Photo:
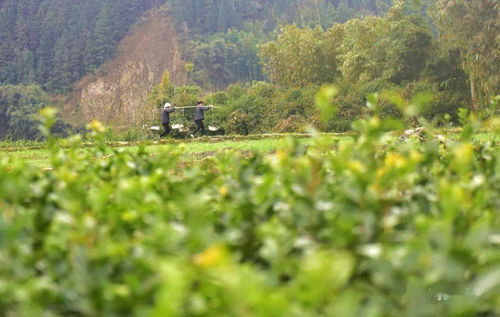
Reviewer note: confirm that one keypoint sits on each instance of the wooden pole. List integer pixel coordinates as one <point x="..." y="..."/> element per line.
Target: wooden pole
<point x="186" y="107"/>
<point x="194" y="107"/>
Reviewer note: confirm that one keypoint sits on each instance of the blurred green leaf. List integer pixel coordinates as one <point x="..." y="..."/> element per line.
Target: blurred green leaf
<point x="324" y="102"/>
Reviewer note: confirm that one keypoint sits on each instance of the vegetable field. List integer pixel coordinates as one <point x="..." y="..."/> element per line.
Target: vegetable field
<point x="356" y="226"/>
<point x="36" y="153"/>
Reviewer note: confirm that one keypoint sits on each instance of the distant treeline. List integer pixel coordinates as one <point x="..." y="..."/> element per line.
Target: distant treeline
<point x="19" y="106"/>
<point x="214" y="16"/>
<point x="397" y="55"/>
<point x="56" y="42"/>
<point x="221" y="36"/>
<point x="396" y="48"/>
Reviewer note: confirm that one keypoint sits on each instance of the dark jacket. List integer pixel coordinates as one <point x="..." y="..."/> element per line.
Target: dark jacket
<point x="199" y="114"/>
<point x="165" y="114"/>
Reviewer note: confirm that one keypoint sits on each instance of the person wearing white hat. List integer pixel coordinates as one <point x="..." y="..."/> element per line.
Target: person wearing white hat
<point x="165" y="118"/>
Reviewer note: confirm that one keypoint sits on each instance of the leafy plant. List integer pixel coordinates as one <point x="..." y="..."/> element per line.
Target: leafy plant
<point x="363" y="227"/>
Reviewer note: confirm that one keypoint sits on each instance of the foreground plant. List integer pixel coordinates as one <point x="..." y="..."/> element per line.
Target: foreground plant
<point x="361" y="228"/>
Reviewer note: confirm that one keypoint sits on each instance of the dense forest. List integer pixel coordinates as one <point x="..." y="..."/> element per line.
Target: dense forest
<point x="414" y="48"/>
<point x="212" y="16"/>
<point x="447" y="47"/>
<point x="221" y="37"/>
<point x="54" y="43"/>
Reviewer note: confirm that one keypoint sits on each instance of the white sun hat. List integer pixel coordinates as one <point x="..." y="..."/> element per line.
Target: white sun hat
<point x="167" y="105"/>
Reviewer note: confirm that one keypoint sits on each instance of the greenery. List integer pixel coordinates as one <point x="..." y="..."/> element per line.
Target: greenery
<point x="55" y="44"/>
<point x="362" y="227"/>
<point x="19" y="106"/>
<point x="225" y="58"/>
<point x="208" y="17"/>
<point x="35" y="153"/>
<point x="472" y="27"/>
<point x="263" y="61"/>
<point x="394" y="53"/>
<point x="193" y="150"/>
<point x="221" y="37"/>
<point x="398" y="217"/>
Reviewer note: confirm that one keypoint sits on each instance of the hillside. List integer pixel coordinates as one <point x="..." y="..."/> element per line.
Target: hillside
<point x="104" y="60"/>
<point x="54" y="43"/>
<point x="263" y="61"/>
<point x="118" y="94"/>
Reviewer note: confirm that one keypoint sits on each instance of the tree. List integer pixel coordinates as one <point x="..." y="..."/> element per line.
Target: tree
<point x="55" y="42"/>
<point x="473" y="27"/>
<point x="18" y="108"/>
<point x="394" y="48"/>
<point x="299" y="57"/>
<point x="224" y="58"/>
<point x="162" y="93"/>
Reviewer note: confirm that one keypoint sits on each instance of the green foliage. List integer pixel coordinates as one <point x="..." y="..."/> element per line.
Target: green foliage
<point x="162" y="93"/>
<point x="359" y="228"/>
<point x="264" y="108"/>
<point x="472" y="28"/>
<point x="394" y="48"/>
<point x="324" y="100"/>
<point x="220" y="38"/>
<point x="224" y="58"/>
<point x="360" y="46"/>
<point x="19" y="107"/>
<point x="54" y="43"/>
<point x="215" y="16"/>
<point x="395" y="53"/>
<point x="300" y="57"/>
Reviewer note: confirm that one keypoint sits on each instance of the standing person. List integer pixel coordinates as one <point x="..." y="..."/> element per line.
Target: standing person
<point x="199" y="116"/>
<point x="165" y="118"/>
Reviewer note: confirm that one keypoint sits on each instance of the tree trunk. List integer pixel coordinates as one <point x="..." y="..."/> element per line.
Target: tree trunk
<point x="316" y="2"/>
<point x="299" y="8"/>
<point x="473" y="93"/>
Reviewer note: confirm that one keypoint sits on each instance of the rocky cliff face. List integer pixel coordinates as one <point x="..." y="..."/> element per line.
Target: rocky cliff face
<point x="117" y="94"/>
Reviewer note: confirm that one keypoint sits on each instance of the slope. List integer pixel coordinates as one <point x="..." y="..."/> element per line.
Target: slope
<point x="117" y="94"/>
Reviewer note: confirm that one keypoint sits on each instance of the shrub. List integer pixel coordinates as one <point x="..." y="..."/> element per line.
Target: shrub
<point x="361" y="227"/>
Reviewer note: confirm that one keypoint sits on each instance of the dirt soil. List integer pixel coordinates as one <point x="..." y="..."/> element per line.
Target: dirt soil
<point x="117" y="94"/>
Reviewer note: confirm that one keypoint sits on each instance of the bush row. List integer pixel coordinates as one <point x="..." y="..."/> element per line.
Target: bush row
<point x="361" y="228"/>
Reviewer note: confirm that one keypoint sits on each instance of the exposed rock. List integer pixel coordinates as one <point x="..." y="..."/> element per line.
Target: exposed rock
<point x="117" y="94"/>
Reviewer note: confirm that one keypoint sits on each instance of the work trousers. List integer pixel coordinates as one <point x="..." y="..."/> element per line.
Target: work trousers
<point x="166" y="126"/>
<point x="199" y="127"/>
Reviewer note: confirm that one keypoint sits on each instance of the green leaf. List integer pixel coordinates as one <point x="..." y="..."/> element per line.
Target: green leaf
<point x="324" y="102"/>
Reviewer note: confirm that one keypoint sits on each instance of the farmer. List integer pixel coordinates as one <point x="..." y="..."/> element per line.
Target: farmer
<point x="165" y="118"/>
<point x="199" y="116"/>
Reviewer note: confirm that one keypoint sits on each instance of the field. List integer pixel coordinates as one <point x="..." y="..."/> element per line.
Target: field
<point x="367" y="224"/>
<point x="36" y="154"/>
<point x="350" y="165"/>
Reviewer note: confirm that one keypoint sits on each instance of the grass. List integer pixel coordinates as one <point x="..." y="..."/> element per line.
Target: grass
<point x="36" y="157"/>
<point x="485" y="136"/>
<point x="34" y="153"/>
<point x="192" y="150"/>
<point x="264" y="145"/>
